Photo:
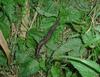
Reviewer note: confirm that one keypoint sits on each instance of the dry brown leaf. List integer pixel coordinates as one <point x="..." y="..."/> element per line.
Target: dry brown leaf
<point x="4" y="45"/>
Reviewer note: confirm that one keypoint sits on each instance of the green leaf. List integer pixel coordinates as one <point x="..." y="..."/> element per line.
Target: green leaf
<point x="83" y="5"/>
<point x="68" y="73"/>
<point x="42" y="62"/>
<point x="35" y="34"/>
<point x="46" y="23"/>
<point x="28" y="68"/>
<point x="3" y="59"/>
<point x="48" y="8"/>
<point x="86" y="68"/>
<point x="42" y="12"/>
<point x="20" y="1"/>
<point x="72" y="47"/>
<point x="73" y="15"/>
<point x="5" y="28"/>
<point x="97" y="28"/>
<point x="9" y="9"/>
<point x="55" y="71"/>
<point x="70" y="14"/>
<point x="90" y="39"/>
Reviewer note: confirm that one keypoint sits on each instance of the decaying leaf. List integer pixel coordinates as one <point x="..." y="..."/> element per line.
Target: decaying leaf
<point x="4" y="46"/>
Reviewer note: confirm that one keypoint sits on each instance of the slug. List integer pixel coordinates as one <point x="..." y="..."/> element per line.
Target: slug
<point x="46" y="37"/>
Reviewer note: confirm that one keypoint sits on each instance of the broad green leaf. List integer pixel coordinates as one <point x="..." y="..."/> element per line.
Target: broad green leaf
<point x="83" y="5"/>
<point x="90" y="39"/>
<point x="73" y="15"/>
<point x="42" y="12"/>
<point x="86" y="68"/>
<point x="20" y="1"/>
<point x="31" y="43"/>
<point x="22" y="57"/>
<point x="70" y="14"/>
<point x="72" y="47"/>
<point x="48" y="8"/>
<point x="80" y="27"/>
<point x="28" y="68"/>
<point x="35" y="34"/>
<point x="5" y="28"/>
<point x="3" y="59"/>
<point x="55" y="71"/>
<point x="9" y="9"/>
<point x="97" y="28"/>
<point x="46" y="23"/>
<point x="42" y="62"/>
<point x="68" y="73"/>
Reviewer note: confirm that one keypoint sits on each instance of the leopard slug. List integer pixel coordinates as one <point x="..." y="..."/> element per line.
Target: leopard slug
<point x="46" y="37"/>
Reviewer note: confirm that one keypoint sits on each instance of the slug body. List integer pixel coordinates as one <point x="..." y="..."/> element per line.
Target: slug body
<point x="46" y="37"/>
